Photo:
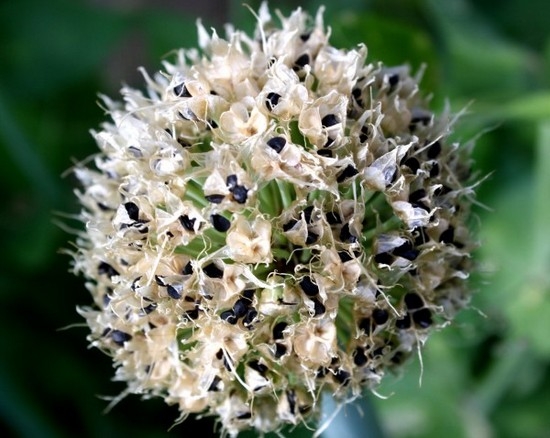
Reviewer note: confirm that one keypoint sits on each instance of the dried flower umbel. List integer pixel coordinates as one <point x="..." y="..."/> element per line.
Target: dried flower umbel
<point x="275" y="217"/>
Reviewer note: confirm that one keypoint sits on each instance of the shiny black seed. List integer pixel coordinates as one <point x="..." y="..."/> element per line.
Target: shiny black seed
<point x="240" y="194"/>
<point x="240" y="307"/>
<point x="448" y="235"/>
<point x="420" y="236"/>
<point x="212" y="124"/>
<point x="384" y="258"/>
<point x="348" y="172"/>
<point x="272" y="100"/>
<point x="214" y="385"/>
<point x="106" y="300"/>
<point x="187" y="269"/>
<point x="417" y="195"/>
<point x="229" y="316"/>
<point x="277" y="143"/>
<point x="422" y="318"/>
<point x="159" y="280"/>
<point x="378" y="352"/>
<point x="329" y="120"/>
<point x="289" y="224"/>
<point x="305" y="36"/>
<point x="397" y="358"/>
<point x="119" y="337"/>
<point x="187" y="223"/>
<point x="321" y="372"/>
<point x="325" y="153"/>
<point x="329" y="142"/>
<point x="412" y="163"/>
<point x="380" y="316"/>
<point x="311" y="237"/>
<point x="301" y="62"/>
<point x="193" y="313"/>
<point x="309" y="287"/>
<point x="357" y="93"/>
<point x="260" y="367"/>
<point x="184" y="143"/>
<point x="434" y="171"/>
<point x="291" y="398"/>
<point x="346" y="236"/>
<point x="250" y="316"/>
<point x="333" y="218"/>
<point x="307" y="213"/>
<point x="406" y="251"/>
<point x="103" y="207"/>
<point x="443" y="190"/>
<point x="213" y="271"/>
<point x="365" y="325"/>
<point x="365" y="133"/>
<point x="244" y="416"/>
<point x="413" y="301"/>
<point x="231" y="181"/>
<point x="132" y="210"/>
<point x="434" y="150"/>
<point x="403" y="323"/>
<point x="343" y="377"/>
<point x="219" y="354"/>
<point x="279" y="329"/>
<point x="173" y="292"/>
<point x="393" y="79"/>
<point x="344" y="256"/>
<point x="181" y="90"/>
<point x="107" y="269"/>
<point x="248" y="294"/>
<point x="215" y="199"/>
<point x="319" y="308"/>
<point x="280" y="350"/>
<point x="359" y="357"/>
<point x="220" y="223"/>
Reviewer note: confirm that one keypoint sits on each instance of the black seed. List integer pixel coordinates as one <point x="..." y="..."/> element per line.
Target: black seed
<point x="417" y="195"/>
<point x="213" y="271"/>
<point x="291" y="398"/>
<point x="384" y="258"/>
<point x="257" y="366"/>
<point x="173" y="292"/>
<point x="393" y="79"/>
<point x="413" y="301"/>
<point x="183" y="143"/>
<point x="329" y="120"/>
<point x="212" y="124"/>
<point x="378" y="352"/>
<point x="403" y="323"/>
<point x="325" y="153"/>
<point x="420" y="236"/>
<point x="188" y="269"/>
<point x="277" y="144"/>
<point x="309" y="287"/>
<point x="187" y="223"/>
<point x="319" y="308"/>
<point x="406" y="251"/>
<point x="346" y="236"/>
<point x="231" y="182"/>
<point x="448" y="235"/>
<point x="240" y="307"/>
<point x="248" y="294"/>
<point x="220" y="223"/>
<point x="103" y="207"/>
<point x="250" y="316"/>
<point x="279" y="329"/>
<point x="229" y="316"/>
<point x="397" y="358"/>
<point x="289" y="224"/>
<point x="181" y="90"/>
<point x="305" y="36"/>
<point x="348" y="172"/>
<point x="107" y="269"/>
<point x="365" y="325"/>
<point x="434" y="171"/>
<point x="365" y="133"/>
<point x="443" y="190"/>
<point x="333" y="218"/>
<point x="301" y="62"/>
<point x="219" y="354"/>
<point x="422" y="318"/>
<point x="434" y="150"/>
<point x="423" y="118"/>
<point x="357" y="94"/>
<point x="329" y="142"/>
<point x="159" y="280"/>
<point x="244" y="416"/>
<point x="119" y="337"/>
<point x="343" y="377"/>
<point x="214" y="385"/>
<point x="240" y="194"/>
<point x="359" y="358"/>
<point x="412" y="163"/>
<point x="215" y="199"/>
<point x="193" y="313"/>
<point x="344" y="256"/>
<point x="272" y="100"/>
<point x="311" y="237"/>
<point x="307" y="213"/>
<point x="380" y="316"/>
<point x="132" y="210"/>
<point x="280" y="350"/>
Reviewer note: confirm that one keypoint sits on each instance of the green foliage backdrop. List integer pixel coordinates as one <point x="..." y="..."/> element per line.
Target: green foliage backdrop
<point x="486" y="375"/>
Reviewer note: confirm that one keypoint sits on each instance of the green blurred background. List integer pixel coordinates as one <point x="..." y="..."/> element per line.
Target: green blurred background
<point x="487" y="375"/>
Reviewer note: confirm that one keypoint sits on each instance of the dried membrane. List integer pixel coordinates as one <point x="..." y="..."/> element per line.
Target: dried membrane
<point x="271" y="218"/>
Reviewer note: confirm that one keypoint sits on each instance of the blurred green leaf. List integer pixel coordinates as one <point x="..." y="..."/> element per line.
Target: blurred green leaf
<point x="535" y="106"/>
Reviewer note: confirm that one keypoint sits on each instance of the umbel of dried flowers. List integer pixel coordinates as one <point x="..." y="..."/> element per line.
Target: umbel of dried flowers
<point x="274" y="217"/>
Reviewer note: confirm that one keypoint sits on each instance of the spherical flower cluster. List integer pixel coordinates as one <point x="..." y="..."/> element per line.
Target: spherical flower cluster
<point x="273" y="218"/>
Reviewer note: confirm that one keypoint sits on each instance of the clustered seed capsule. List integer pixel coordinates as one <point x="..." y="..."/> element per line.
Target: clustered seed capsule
<point x="273" y="218"/>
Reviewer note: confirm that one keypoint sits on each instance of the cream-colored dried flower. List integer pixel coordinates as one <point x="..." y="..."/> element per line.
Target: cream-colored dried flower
<point x="274" y="217"/>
